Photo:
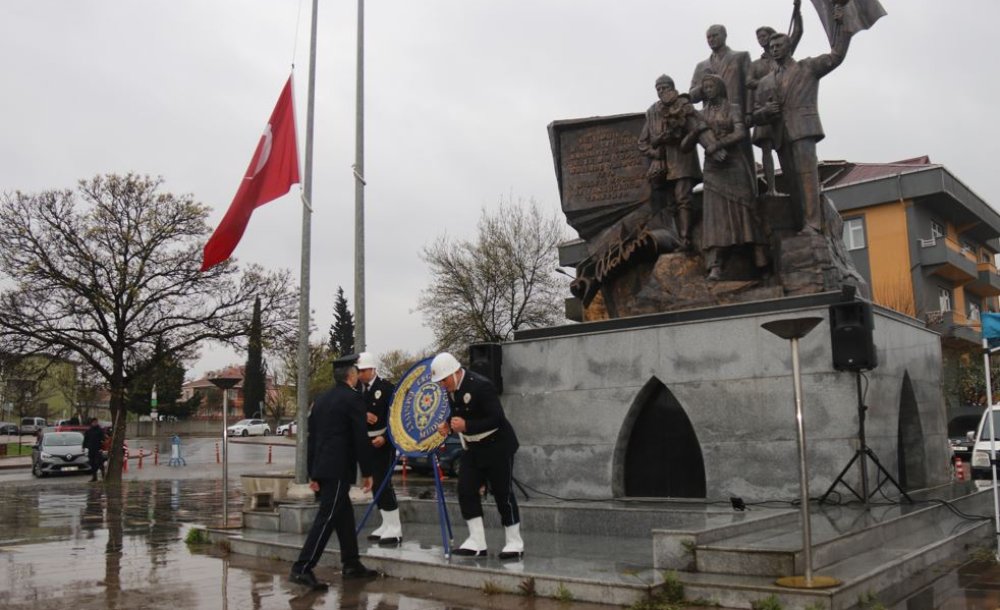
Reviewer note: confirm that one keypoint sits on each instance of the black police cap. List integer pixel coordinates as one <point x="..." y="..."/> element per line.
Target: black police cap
<point x="345" y="361"/>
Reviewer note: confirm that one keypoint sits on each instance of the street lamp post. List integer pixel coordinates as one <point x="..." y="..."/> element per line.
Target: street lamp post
<point x="794" y="329"/>
<point x="225" y="384"/>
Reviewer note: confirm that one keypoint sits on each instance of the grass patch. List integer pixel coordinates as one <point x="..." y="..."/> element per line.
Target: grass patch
<point x="868" y="601"/>
<point x="15" y="450"/>
<point x="768" y="603"/>
<point x="670" y="595"/>
<point x="527" y="587"/>
<point x="491" y="588"/>
<point x="563" y="594"/>
<point x="984" y="555"/>
<point x="196" y="536"/>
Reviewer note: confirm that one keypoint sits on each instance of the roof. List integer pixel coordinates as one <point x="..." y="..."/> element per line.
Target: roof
<point x="852" y="186"/>
<point x="851" y="173"/>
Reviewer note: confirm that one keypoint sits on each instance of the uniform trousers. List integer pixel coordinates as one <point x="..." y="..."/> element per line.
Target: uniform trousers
<point x="382" y="460"/>
<point x="335" y="514"/>
<point x="492" y="462"/>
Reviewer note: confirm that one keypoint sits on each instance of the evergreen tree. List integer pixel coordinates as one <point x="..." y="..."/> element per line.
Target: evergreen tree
<point x="163" y="369"/>
<point x="254" y="382"/>
<point x="342" y="330"/>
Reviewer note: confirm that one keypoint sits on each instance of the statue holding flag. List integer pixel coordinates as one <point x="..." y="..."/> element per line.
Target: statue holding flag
<point x="787" y="100"/>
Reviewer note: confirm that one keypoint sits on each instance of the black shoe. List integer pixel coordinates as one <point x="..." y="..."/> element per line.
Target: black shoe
<point x="357" y="570"/>
<point x="308" y="579"/>
<point x="393" y="541"/>
<point x="374" y="538"/>
<point x="504" y="555"/>
<point x="469" y="552"/>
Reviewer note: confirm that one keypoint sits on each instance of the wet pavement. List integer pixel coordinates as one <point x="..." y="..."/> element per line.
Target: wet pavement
<point x="69" y="543"/>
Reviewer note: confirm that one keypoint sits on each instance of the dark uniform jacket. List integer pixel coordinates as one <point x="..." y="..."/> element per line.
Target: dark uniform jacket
<point x="377" y="401"/>
<point x="93" y="439"/>
<point x="477" y="402"/>
<point x="338" y="436"/>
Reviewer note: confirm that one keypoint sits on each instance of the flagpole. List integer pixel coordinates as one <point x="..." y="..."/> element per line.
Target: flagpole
<point x="302" y="403"/>
<point x="993" y="447"/>
<point x="359" y="189"/>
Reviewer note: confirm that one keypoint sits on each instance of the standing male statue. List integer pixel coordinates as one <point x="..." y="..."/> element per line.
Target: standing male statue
<point x="668" y="121"/>
<point x="787" y="100"/>
<point x="759" y="68"/>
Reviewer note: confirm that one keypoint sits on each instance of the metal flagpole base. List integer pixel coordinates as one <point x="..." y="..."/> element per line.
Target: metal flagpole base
<point x="800" y="582"/>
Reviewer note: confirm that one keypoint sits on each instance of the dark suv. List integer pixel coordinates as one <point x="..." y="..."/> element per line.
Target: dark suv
<point x="449" y="454"/>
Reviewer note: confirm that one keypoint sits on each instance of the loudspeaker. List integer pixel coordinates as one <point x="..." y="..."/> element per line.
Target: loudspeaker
<point x="485" y="359"/>
<point x="851" y="326"/>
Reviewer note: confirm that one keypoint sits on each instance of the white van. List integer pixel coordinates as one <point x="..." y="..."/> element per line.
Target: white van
<point x="31" y="425"/>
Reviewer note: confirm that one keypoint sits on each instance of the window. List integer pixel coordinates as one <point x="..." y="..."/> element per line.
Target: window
<point x="937" y="231"/>
<point x="985" y="256"/>
<point x="973" y="311"/>
<point x="944" y="299"/>
<point x="854" y="233"/>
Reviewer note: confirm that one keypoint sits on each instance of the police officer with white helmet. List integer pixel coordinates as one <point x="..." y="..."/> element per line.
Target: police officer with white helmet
<point x="490" y="443"/>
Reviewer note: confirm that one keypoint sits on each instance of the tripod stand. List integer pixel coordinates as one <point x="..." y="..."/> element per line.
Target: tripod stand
<point x="863" y="453"/>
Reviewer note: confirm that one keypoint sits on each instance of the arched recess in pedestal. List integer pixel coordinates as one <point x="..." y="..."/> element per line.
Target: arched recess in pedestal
<point x="910" y="440"/>
<point x="657" y="454"/>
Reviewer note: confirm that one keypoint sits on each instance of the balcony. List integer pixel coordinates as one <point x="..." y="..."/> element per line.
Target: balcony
<point x="953" y="326"/>
<point x="945" y="258"/>
<point x="987" y="282"/>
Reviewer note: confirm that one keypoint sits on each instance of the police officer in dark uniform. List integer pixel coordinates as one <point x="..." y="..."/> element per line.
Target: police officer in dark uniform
<point x="377" y="393"/>
<point x="93" y="440"/>
<point x="490" y="443"/>
<point x="337" y="444"/>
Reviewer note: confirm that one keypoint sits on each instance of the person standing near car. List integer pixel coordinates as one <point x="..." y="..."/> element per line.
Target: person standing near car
<point x="337" y="444"/>
<point x="478" y="417"/>
<point x="377" y="393"/>
<point x="93" y="442"/>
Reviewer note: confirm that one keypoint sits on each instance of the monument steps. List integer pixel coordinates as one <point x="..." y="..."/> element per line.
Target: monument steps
<point x="620" y="552"/>
<point x="777" y="551"/>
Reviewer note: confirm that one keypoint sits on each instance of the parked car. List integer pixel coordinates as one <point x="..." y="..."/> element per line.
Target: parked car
<point x="8" y="428"/>
<point x="249" y="427"/>
<point x="291" y="427"/>
<point x="981" y="470"/>
<point x="31" y="425"/>
<point x="962" y="446"/>
<point x="449" y="454"/>
<point x="58" y="452"/>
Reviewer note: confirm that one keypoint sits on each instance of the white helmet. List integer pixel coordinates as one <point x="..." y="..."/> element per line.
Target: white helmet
<point x="444" y="364"/>
<point x="366" y="361"/>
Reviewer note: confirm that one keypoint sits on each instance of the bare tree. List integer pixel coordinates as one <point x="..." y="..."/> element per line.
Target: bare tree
<point x="396" y="362"/>
<point x="503" y="280"/>
<point x="105" y="272"/>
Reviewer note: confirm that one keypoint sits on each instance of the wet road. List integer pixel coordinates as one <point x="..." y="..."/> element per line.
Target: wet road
<point x="69" y="543"/>
<point x="79" y="546"/>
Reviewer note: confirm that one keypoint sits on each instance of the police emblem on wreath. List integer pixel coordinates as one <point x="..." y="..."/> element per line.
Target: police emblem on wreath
<point x="418" y="406"/>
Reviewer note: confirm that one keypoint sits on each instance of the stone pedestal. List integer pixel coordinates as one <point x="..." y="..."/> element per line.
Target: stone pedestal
<point x="575" y="394"/>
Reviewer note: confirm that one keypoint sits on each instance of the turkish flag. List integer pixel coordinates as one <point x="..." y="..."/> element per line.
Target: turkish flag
<point x="273" y="170"/>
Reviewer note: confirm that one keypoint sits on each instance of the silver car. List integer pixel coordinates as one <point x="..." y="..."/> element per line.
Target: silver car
<point x="59" y="452"/>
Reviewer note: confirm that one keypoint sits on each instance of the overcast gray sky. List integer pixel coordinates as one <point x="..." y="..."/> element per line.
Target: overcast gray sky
<point x="459" y="93"/>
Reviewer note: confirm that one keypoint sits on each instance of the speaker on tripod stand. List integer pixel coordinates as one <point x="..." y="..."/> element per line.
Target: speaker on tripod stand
<point x="853" y="345"/>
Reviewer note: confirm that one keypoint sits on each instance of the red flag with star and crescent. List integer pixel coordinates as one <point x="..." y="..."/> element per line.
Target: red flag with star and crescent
<point x="273" y="170"/>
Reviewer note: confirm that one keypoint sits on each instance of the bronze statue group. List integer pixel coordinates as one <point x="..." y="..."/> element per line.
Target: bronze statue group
<point x="771" y="102"/>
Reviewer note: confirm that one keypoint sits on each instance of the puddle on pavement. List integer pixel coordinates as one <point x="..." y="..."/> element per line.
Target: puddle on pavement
<point x="78" y="546"/>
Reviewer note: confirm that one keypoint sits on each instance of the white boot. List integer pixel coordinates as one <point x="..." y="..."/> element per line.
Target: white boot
<point x="475" y="544"/>
<point x="392" y="530"/>
<point x="514" y="547"/>
<point x="380" y="530"/>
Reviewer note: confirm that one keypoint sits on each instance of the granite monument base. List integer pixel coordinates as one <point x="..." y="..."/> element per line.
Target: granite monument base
<point x="699" y="404"/>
